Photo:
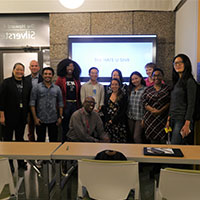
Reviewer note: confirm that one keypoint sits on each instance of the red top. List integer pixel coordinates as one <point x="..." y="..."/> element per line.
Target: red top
<point x="61" y="82"/>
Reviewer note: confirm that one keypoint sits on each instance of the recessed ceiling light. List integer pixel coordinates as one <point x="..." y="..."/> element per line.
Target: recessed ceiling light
<point x="71" y="4"/>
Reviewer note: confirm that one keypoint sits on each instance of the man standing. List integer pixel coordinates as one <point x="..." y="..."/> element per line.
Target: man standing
<point x="94" y="89"/>
<point x="34" y="79"/>
<point x="86" y="125"/>
<point x="46" y="98"/>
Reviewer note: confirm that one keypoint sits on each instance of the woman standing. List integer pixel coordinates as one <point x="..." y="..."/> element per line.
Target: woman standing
<point x="135" y="106"/>
<point x="115" y="113"/>
<point x="182" y="102"/>
<point x="156" y="102"/>
<point x="116" y="74"/>
<point x="149" y="67"/>
<point x="14" y="106"/>
<point x="68" y="73"/>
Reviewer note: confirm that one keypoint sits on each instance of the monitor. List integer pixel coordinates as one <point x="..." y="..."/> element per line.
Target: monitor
<point x="127" y="53"/>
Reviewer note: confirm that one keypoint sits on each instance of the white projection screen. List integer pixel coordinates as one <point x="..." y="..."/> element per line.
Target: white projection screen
<point x="127" y="53"/>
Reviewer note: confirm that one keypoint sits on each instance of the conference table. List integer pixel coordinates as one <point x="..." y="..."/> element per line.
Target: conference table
<point x="135" y="152"/>
<point x="31" y="151"/>
<point x="83" y="150"/>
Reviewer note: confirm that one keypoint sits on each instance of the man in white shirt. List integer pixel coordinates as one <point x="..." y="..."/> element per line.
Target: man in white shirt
<point x="94" y="89"/>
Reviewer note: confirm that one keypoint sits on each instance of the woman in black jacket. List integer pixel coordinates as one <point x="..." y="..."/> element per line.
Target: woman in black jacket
<point x="14" y="105"/>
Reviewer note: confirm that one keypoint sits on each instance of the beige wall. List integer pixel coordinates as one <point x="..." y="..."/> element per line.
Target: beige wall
<point x="186" y="32"/>
<point x="160" y="23"/>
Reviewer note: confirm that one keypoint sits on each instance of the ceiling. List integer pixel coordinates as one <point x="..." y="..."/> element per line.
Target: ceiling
<point x="52" y="6"/>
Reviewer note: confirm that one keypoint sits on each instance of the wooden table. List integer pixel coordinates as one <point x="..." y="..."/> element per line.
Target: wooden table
<point x="76" y="151"/>
<point x="31" y="151"/>
<point x="28" y="150"/>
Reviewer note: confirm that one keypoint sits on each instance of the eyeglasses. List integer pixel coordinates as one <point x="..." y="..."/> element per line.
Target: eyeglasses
<point x="90" y="102"/>
<point x="178" y="63"/>
<point x="94" y="73"/>
<point x="159" y="75"/>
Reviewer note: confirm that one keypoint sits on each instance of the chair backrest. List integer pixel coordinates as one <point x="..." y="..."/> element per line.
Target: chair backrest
<point x="108" y="180"/>
<point x="6" y="175"/>
<point x="178" y="184"/>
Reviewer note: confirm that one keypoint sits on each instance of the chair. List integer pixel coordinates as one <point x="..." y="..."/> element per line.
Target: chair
<point x="178" y="184"/>
<point x="108" y="180"/>
<point x="6" y="176"/>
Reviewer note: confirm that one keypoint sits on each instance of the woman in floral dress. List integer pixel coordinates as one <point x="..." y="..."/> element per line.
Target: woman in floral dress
<point x="115" y="113"/>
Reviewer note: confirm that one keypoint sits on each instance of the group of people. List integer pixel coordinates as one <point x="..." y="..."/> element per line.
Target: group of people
<point x="118" y="113"/>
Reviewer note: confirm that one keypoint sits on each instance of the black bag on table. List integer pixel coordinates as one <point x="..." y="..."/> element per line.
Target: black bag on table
<point x="110" y="155"/>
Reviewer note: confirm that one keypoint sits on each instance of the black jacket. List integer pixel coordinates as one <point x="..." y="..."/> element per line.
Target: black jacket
<point x="9" y="101"/>
<point x="40" y="79"/>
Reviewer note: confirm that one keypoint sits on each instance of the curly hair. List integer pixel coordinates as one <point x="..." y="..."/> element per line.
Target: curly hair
<point x="61" y="68"/>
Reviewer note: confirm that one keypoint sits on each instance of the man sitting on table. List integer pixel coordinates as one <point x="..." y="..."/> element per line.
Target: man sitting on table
<point x="86" y="125"/>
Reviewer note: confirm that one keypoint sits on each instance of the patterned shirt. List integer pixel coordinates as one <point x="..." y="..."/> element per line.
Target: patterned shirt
<point x="154" y="124"/>
<point x="46" y="100"/>
<point x="135" y="107"/>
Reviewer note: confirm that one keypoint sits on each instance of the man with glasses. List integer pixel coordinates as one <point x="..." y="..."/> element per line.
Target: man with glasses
<point x="86" y="125"/>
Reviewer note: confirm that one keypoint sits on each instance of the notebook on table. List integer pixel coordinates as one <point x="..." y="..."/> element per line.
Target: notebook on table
<point x="171" y="152"/>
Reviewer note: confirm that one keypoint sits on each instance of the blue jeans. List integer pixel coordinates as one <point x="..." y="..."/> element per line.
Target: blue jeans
<point x="176" y="137"/>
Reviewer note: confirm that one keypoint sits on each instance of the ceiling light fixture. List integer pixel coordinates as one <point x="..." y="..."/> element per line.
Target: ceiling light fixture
<point x="71" y="4"/>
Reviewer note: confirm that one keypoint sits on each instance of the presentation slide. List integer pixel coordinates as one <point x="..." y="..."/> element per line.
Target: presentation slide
<point x="125" y="56"/>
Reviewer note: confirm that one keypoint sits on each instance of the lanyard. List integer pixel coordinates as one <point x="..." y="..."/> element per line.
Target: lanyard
<point x="86" y="122"/>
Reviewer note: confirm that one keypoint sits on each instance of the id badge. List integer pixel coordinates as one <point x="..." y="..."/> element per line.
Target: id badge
<point x="21" y="105"/>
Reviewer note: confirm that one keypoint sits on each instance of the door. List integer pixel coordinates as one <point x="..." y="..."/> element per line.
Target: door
<point x="9" y="57"/>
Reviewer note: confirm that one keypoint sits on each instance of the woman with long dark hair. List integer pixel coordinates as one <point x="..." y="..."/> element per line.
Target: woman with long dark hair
<point x="116" y="74"/>
<point x="135" y="110"/>
<point x="182" y="101"/>
<point x="68" y="72"/>
<point x="114" y="111"/>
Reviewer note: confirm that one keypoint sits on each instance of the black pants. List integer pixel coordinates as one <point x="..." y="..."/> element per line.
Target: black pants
<point x="67" y="113"/>
<point x="8" y="132"/>
<point x="52" y="132"/>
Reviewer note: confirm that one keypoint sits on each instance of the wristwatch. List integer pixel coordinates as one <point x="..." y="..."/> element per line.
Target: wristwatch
<point x="61" y="117"/>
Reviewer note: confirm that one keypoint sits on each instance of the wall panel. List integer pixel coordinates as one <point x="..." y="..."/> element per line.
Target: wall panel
<point x="137" y="22"/>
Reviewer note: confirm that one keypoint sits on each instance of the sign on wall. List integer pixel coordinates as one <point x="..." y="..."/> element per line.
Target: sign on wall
<point x="19" y="31"/>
